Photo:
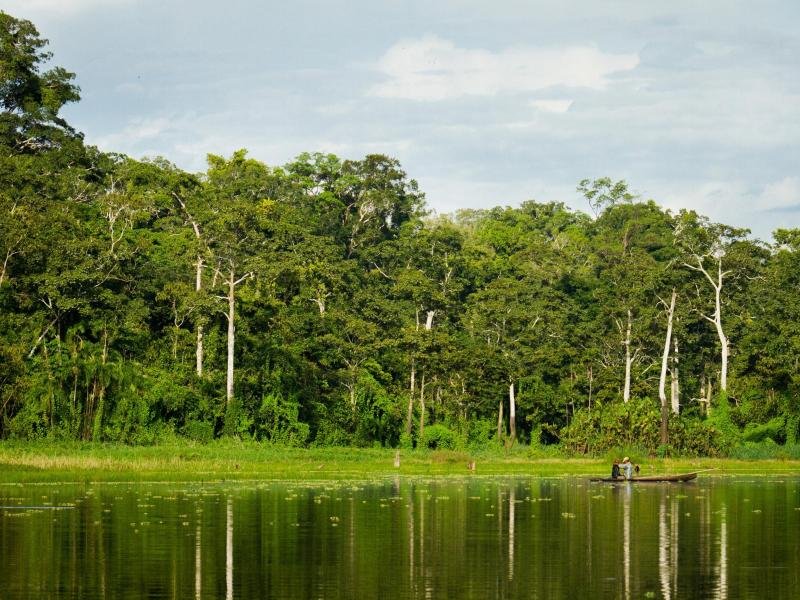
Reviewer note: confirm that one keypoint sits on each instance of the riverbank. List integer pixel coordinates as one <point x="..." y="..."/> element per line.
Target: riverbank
<point x="229" y="460"/>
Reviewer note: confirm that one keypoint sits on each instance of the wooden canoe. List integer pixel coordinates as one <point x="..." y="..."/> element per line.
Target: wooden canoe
<point x="648" y="478"/>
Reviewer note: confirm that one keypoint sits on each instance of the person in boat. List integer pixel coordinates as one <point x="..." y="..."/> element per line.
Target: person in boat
<point x="627" y="468"/>
<point x="615" y="473"/>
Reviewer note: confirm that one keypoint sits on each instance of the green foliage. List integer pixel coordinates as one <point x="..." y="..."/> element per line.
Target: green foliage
<point x="692" y="437"/>
<point x="481" y="433"/>
<point x="439" y="437"/>
<point x="765" y="450"/>
<point x="277" y="421"/>
<point x="199" y="431"/>
<point x="635" y="424"/>
<point x="237" y="423"/>
<point x="774" y="430"/>
<point x="339" y="287"/>
<point x="406" y="441"/>
<point x="720" y="422"/>
<point x="792" y="429"/>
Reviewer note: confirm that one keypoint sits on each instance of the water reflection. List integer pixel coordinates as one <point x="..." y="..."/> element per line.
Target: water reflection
<point x="667" y="542"/>
<point x="198" y="562"/>
<point x="229" y="550"/>
<point x="627" y="490"/>
<point x="512" y="499"/>
<point x="722" y="569"/>
<point x="403" y="538"/>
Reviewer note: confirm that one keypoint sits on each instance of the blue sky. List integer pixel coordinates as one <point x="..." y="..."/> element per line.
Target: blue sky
<point x="695" y="104"/>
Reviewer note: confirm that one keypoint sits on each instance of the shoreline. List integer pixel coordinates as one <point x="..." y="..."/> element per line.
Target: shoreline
<point x="246" y="461"/>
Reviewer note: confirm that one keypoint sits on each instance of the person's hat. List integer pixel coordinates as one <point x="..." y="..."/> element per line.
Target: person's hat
<point x="626" y="459"/>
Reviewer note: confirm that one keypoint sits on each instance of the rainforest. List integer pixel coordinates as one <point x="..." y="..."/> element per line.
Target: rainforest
<point x="320" y="303"/>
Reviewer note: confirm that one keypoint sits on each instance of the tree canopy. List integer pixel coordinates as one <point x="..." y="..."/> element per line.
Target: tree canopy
<point x="318" y="302"/>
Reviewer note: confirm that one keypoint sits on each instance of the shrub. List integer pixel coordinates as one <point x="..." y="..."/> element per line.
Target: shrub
<point x="481" y="433"/>
<point x="694" y="437"/>
<point x="439" y="437"/>
<point x="406" y="441"/>
<point x="773" y="430"/>
<point x="237" y="422"/>
<point x="199" y="431"/>
<point x="720" y="421"/>
<point x="632" y="425"/>
<point x="277" y="421"/>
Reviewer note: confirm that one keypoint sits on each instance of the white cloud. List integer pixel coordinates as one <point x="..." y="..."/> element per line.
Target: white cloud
<point x="781" y="194"/>
<point x="129" y="88"/>
<point x="715" y="199"/>
<point x="714" y="49"/>
<point x="138" y="129"/>
<point x="733" y="202"/>
<point x="553" y="106"/>
<point x="458" y="190"/>
<point x="25" y="7"/>
<point x="433" y="69"/>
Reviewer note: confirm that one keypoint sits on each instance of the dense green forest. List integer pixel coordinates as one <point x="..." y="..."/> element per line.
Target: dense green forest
<point x="320" y="303"/>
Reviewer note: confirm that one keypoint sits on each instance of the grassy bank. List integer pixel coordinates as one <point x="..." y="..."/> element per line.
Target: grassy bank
<point x="230" y="460"/>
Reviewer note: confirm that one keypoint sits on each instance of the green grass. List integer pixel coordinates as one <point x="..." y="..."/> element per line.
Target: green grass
<point x="232" y="460"/>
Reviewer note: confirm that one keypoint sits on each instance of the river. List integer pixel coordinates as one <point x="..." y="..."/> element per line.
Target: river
<point x="716" y="537"/>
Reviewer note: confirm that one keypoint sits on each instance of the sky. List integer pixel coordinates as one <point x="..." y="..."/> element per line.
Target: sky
<point x="695" y="104"/>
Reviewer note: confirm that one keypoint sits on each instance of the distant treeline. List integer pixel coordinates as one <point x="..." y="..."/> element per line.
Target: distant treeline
<point x="320" y="303"/>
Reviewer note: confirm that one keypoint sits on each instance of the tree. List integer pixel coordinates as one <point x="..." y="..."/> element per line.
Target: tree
<point x="31" y="99"/>
<point x="238" y="193"/>
<point x="630" y="242"/>
<point x="662" y="379"/>
<point x="705" y="246"/>
<point x="603" y="193"/>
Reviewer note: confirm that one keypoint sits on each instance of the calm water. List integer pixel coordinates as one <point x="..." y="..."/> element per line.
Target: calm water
<point x="406" y="538"/>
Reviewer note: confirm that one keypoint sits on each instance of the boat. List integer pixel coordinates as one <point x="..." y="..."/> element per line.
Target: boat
<point x="648" y="478"/>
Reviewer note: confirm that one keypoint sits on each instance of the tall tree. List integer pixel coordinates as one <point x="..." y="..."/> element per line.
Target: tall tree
<point x="239" y="196"/>
<point x="705" y="246"/>
<point x="31" y="98"/>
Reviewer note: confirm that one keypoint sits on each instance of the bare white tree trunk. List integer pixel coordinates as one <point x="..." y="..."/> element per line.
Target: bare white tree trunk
<point x="512" y="412"/>
<point x="662" y="380"/>
<point x="198" y="285"/>
<point x="500" y="420"/>
<point x="231" y="297"/>
<point x="411" y="391"/>
<point x="716" y="318"/>
<point x="9" y="253"/>
<point x="723" y="340"/>
<point x="675" y="380"/>
<point x="422" y="406"/>
<point x="231" y="338"/>
<point x="429" y="320"/>
<point x="626" y="393"/>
